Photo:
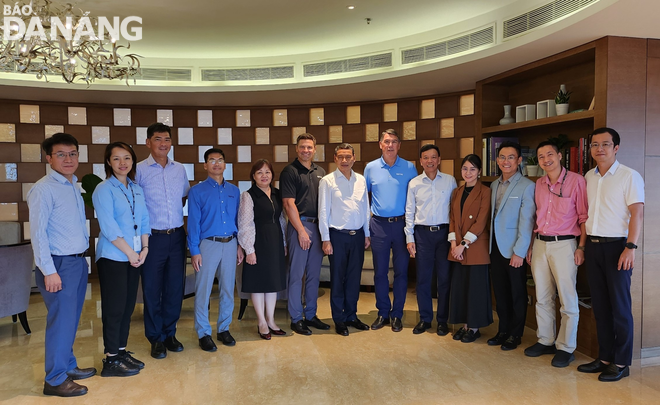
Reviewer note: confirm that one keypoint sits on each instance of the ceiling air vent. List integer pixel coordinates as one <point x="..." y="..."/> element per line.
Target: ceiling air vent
<point x="383" y="60"/>
<point x="247" y="74"/>
<point x="165" y="74"/>
<point x="450" y="47"/>
<point x="542" y="16"/>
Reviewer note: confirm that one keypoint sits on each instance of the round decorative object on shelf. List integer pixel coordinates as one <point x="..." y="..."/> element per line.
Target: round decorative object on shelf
<point x="507" y="119"/>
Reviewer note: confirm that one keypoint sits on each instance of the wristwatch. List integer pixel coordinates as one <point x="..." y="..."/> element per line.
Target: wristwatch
<point x="631" y="245"/>
<point x="464" y="243"/>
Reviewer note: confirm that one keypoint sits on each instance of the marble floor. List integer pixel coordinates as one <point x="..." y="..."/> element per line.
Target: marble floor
<point x="370" y="367"/>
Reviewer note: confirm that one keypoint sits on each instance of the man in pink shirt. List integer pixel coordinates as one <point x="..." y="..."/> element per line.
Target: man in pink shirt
<point x="556" y="251"/>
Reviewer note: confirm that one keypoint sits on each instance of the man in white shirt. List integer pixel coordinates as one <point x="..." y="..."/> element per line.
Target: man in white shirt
<point x="427" y="227"/>
<point x="616" y="213"/>
<point x="344" y="226"/>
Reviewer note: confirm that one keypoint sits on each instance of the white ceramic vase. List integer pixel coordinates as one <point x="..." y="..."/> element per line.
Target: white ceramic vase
<point x="507" y="119"/>
<point x="562" y="109"/>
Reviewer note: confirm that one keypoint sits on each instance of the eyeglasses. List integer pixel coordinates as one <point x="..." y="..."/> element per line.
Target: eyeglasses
<point x="604" y="145"/>
<point x="218" y="161"/>
<point x="390" y="142"/>
<point x="510" y="158"/>
<point x="62" y="155"/>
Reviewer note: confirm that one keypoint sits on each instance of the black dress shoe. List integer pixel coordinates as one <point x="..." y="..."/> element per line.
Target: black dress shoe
<point x="459" y="334"/>
<point x="207" y="344"/>
<point x="341" y="328"/>
<point x="511" y="343"/>
<point x="158" y="350"/>
<point x="278" y="332"/>
<point x="172" y="344"/>
<point x="301" y="328"/>
<point x="81" y="373"/>
<point x="114" y="367"/>
<point x="316" y="323"/>
<point x="498" y="339"/>
<point x="614" y="373"/>
<point x="380" y="322"/>
<point x="226" y="338"/>
<point x="421" y="327"/>
<point x="562" y="359"/>
<point x="539" y="349"/>
<point x="443" y="329"/>
<point x="595" y="366"/>
<point x="470" y="336"/>
<point x="67" y="389"/>
<point x="265" y="336"/>
<point x="127" y="358"/>
<point x="358" y="324"/>
<point x="397" y="325"/>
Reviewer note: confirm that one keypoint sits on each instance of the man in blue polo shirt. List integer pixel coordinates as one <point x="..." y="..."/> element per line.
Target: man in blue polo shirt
<point x="212" y="229"/>
<point x="387" y="181"/>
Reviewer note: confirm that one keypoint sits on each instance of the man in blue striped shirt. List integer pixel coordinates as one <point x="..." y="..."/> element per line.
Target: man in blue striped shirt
<point x="165" y="186"/>
<point x="212" y="230"/>
<point x="60" y="239"/>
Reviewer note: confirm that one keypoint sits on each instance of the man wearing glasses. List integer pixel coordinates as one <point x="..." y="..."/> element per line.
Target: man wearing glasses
<point x="60" y="239"/>
<point x="555" y="254"/>
<point x="387" y="181"/>
<point x="512" y="223"/>
<point x="212" y="230"/>
<point x="616" y="214"/>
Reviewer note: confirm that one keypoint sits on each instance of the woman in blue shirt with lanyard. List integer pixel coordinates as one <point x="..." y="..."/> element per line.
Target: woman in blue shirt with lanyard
<point x="121" y="251"/>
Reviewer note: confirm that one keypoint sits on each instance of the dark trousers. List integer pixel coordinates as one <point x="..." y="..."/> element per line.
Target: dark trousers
<point x="510" y="288"/>
<point x="611" y="301"/>
<point x="119" y="283"/>
<point x="345" y="273"/>
<point x="304" y="265"/>
<point x="163" y="275"/>
<point x="385" y="236"/>
<point x="64" y="308"/>
<point x="431" y="257"/>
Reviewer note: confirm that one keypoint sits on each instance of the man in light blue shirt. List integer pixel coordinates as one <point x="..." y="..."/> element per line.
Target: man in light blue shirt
<point x="387" y="181"/>
<point x="212" y="230"/>
<point x="60" y="239"/>
<point x="165" y="186"/>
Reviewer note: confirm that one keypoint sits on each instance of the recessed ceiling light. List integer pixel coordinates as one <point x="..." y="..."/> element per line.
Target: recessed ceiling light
<point x="350" y="7"/>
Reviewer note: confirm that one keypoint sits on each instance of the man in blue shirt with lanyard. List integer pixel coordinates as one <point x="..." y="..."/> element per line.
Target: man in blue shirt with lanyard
<point x="212" y="230"/>
<point x="165" y="186"/>
<point x="60" y="239"/>
<point x="387" y="181"/>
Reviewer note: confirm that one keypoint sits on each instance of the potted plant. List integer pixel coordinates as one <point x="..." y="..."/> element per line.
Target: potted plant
<point x="561" y="100"/>
<point x="532" y="166"/>
<point x="89" y="183"/>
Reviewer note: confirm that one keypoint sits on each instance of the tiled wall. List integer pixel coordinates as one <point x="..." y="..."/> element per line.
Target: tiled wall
<point x="244" y="134"/>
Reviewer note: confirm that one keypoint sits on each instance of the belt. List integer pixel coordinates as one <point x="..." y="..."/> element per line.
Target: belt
<point x="432" y="228"/>
<point x="73" y="255"/>
<point x="223" y="239"/>
<point x="555" y="238"/>
<point x="603" y="239"/>
<point x="310" y="219"/>
<point x="165" y="231"/>
<point x="346" y="231"/>
<point x="391" y="219"/>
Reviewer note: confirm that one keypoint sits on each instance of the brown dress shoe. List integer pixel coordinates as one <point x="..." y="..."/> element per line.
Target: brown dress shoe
<point x="81" y="373"/>
<point x="67" y="389"/>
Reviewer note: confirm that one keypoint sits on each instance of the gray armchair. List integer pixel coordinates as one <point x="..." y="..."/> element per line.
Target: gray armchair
<point x="16" y="265"/>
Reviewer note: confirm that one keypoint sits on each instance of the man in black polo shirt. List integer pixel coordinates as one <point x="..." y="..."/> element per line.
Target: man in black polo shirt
<point x="299" y="183"/>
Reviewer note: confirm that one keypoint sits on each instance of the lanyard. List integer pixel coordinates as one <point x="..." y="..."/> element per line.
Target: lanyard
<point x="131" y="205"/>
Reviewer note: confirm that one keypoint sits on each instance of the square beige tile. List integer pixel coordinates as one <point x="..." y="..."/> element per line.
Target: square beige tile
<point x="280" y="118"/>
<point x="244" y="153"/>
<point x="371" y="132"/>
<point x="466" y="146"/>
<point x="25" y="188"/>
<point x="447" y="166"/>
<point x="185" y="136"/>
<point x="409" y="130"/>
<point x="316" y="116"/>
<point x="30" y="152"/>
<point x="319" y="156"/>
<point x="358" y="151"/>
<point x="224" y="136"/>
<point x="122" y="117"/>
<point x="100" y="135"/>
<point x="295" y="131"/>
<point x="141" y="135"/>
<point x="427" y="142"/>
<point x="332" y="166"/>
<point x="83" y="156"/>
<point x="26" y="230"/>
<point x="201" y="150"/>
<point x="7" y="133"/>
<point x="29" y="114"/>
<point x="335" y="134"/>
<point x="353" y="114"/>
<point x="466" y="104"/>
<point x="390" y="112"/>
<point x="242" y="118"/>
<point x="77" y="116"/>
<point x="165" y="117"/>
<point x="447" y="128"/>
<point x="9" y="212"/>
<point x="50" y="130"/>
<point x="8" y="172"/>
<point x="281" y="153"/>
<point x="262" y="136"/>
<point x="427" y="109"/>
<point x="205" y="118"/>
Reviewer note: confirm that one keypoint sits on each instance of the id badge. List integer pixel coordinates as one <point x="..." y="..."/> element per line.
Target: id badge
<point x="137" y="243"/>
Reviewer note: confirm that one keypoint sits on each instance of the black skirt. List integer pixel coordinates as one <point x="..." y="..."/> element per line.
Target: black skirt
<point x="470" y="301"/>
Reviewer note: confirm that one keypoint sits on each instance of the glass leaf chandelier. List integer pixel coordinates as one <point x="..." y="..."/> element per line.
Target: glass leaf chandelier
<point x="73" y="57"/>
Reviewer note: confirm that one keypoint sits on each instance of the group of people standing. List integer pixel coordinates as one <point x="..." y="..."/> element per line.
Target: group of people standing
<point x="468" y="237"/>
